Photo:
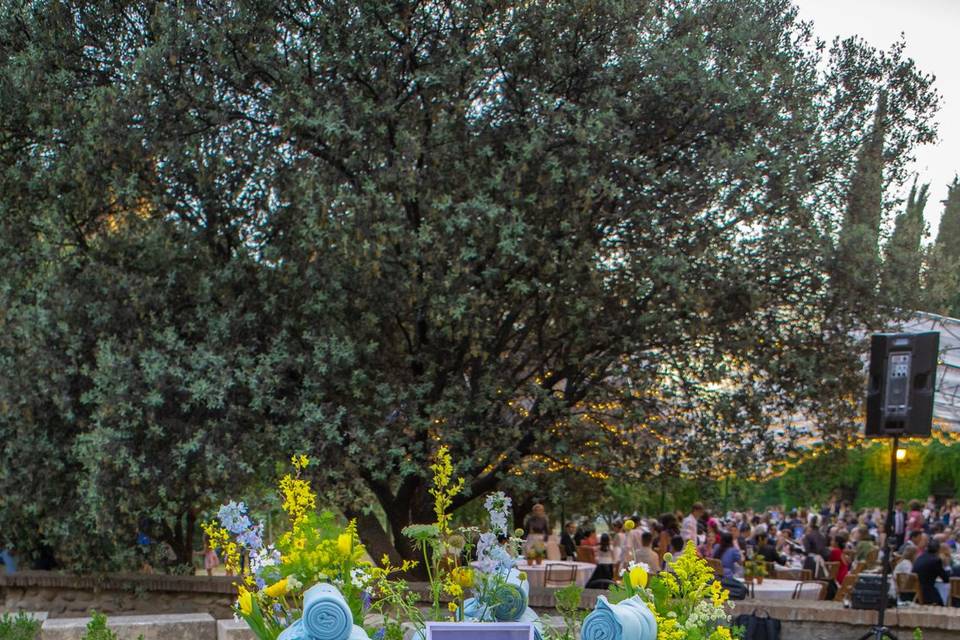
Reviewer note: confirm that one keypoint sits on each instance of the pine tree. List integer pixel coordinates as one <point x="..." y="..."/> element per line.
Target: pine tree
<point x="943" y="271"/>
<point x="903" y="253"/>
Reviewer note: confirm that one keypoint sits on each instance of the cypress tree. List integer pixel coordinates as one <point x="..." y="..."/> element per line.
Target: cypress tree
<point x="857" y="259"/>
<point x="903" y="254"/>
<point x="943" y="272"/>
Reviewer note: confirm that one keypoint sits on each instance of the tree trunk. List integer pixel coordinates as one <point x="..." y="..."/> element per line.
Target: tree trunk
<point x="374" y="537"/>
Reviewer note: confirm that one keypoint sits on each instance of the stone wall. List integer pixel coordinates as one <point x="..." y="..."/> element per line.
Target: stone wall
<point x="66" y="596"/>
<point x="153" y="598"/>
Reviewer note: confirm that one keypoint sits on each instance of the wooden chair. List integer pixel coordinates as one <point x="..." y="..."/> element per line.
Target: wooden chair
<point x="908" y="587"/>
<point x="559" y="574"/>
<point x="954" y="593"/>
<point x="872" y="557"/>
<point x="845" y="587"/>
<point x="586" y="554"/>
<point x="834" y="569"/>
<point x="717" y="566"/>
<point x="771" y="568"/>
<point x="793" y="574"/>
<point x="810" y="585"/>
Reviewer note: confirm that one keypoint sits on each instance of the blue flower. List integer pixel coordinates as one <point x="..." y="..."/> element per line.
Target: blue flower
<point x="233" y="517"/>
<point x="366" y="599"/>
<point x="381" y="632"/>
<point x="252" y="538"/>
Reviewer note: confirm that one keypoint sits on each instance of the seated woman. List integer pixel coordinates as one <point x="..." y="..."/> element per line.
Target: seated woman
<point x="769" y="552"/>
<point x="729" y="556"/>
<point x="606" y="559"/>
<point x="905" y="565"/>
<point x="839" y="553"/>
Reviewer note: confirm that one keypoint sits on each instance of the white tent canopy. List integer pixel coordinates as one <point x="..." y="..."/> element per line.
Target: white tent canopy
<point x="946" y="404"/>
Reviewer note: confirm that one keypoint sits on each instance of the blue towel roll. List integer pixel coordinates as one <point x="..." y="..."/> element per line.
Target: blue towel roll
<point x="627" y="620"/>
<point x="326" y="616"/>
<point x="511" y="598"/>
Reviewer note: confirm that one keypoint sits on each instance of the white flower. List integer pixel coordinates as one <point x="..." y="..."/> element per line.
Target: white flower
<point x="359" y="578"/>
<point x="497" y="505"/>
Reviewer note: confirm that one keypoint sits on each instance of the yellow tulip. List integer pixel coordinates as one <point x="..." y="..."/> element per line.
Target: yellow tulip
<point x="629" y="525"/>
<point x="277" y="589"/>
<point x="345" y="544"/>
<point x="463" y="577"/>
<point x="638" y="577"/>
<point x="245" y="600"/>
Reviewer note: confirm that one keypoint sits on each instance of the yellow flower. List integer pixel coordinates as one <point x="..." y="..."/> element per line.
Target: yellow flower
<point x="300" y="462"/>
<point x="245" y="600"/>
<point x="463" y="576"/>
<point x="454" y="590"/>
<point x="721" y="633"/>
<point x="344" y="544"/>
<point x="523" y="576"/>
<point x="629" y="525"/>
<point x="638" y="577"/>
<point x="443" y="489"/>
<point x="452" y="606"/>
<point x="277" y="589"/>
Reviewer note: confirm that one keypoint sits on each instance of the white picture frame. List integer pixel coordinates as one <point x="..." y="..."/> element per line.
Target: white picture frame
<point x="480" y="631"/>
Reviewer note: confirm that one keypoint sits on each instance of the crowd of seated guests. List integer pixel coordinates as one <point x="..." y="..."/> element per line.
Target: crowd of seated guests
<point x="925" y="536"/>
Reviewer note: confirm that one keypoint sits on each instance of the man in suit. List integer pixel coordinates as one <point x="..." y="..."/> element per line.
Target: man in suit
<point x="568" y="546"/>
<point x="928" y="568"/>
<point x="899" y="523"/>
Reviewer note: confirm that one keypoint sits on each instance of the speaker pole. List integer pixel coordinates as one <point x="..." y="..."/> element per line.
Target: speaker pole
<point x="880" y="631"/>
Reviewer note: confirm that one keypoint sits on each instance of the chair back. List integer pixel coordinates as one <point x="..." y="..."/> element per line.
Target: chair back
<point x="793" y="574"/>
<point x="807" y="586"/>
<point x="954" y="592"/>
<point x="846" y="586"/>
<point x="873" y="556"/>
<point x="559" y="574"/>
<point x="587" y="554"/>
<point x="771" y="568"/>
<point x="834" y="569"/>
<point x="908" y="586"/>
<point x="716" y="565"/>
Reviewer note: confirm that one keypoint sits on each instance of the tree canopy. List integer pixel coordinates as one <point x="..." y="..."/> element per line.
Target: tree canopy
<point x="595" y="237"/>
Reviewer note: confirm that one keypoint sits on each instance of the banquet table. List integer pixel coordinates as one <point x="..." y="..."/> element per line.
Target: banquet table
<point x="773" y="589"/>
<point x="537" y="573"/>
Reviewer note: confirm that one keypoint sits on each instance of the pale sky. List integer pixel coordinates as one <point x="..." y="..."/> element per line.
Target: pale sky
<point x="932" y="29"/>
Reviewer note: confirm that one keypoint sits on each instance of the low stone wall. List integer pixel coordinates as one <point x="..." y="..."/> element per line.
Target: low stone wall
<point x="153" y="598"/>
<point x="65" y="596"/>
<point x="812" y="620"/>
<point x="190" y="626"/>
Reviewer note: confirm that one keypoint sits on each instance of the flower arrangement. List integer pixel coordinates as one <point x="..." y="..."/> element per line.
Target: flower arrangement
<point x="314" y="549"/>
<point x="498" y="590"/>
<point x="755" y="569"/>
<point x="688" y="603"/>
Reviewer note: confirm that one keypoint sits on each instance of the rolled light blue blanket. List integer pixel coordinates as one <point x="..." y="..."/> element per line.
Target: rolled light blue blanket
<point x="507" y="603"/>
<point x="627" y="620"/>
<point x="326" y="616"/>
<point x="511" y="598"/>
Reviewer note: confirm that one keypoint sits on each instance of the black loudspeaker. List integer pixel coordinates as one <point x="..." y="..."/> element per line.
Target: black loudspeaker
<point x="903" y="371"/>
<point x="867" y="592"/>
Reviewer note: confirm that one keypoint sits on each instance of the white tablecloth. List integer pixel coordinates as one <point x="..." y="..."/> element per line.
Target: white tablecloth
<point x="944" y="589"/>
<point x="537" y="573"/>
<point x="773" y="589"/>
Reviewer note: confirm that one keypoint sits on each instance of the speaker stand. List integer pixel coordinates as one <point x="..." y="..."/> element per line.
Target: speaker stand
<point x="880" y="630"/>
